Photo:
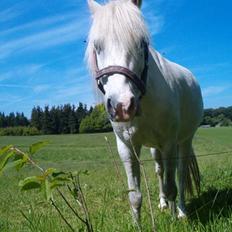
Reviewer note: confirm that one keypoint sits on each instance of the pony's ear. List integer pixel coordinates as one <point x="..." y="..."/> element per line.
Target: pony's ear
<point x="93" y="6"/>
<point x="138" y="3"/>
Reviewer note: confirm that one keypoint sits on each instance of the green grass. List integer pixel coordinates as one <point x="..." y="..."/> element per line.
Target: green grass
<point x="106" y="196"/>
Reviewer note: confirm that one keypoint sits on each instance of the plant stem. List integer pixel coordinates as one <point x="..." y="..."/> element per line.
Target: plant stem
<point x="115" y="162"/>
<point x="62" y="216"/>
<point x="146" y="185"/>
<point x="29" y="159"/>
<point x="85" y="208"/>
<point x="67" y="203"/>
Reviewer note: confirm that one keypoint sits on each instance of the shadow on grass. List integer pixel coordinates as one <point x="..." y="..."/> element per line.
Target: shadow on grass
<point x="210" y="205"/>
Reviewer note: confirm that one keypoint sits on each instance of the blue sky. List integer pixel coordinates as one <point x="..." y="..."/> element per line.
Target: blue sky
<point x="42" y="49"/>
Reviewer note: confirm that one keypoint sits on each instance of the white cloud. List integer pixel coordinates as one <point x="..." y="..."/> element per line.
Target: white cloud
<point x="40" y="23"/>
<point x="154" y="19"/>
<point x="40" y="88"/>
<point x="58" y="35"/>
<point x="213" y="90"/>
<point x="22" y="71"/>
<point x="14" y="86"/>
<point x="5" y="76"/>
<point x="9" y="13"/>
<point x="155" y="24"/>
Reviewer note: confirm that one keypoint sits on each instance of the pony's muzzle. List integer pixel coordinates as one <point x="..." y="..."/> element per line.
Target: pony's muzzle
<point x="122" y="111"/>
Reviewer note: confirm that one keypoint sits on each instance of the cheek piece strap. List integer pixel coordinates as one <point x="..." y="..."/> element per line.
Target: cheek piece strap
<point x="139" y="82"/>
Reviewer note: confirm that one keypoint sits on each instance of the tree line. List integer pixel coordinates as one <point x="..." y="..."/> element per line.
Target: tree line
<point x="71" y="119"/>
<point x="63" y="119"/>
<point x="13" y="120"/>
<point x="221" y="116"/>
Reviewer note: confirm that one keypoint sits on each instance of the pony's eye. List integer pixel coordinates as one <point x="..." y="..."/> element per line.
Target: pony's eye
<point x="104" y="80"/>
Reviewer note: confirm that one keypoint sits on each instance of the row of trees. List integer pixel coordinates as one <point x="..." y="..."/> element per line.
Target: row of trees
<point x="70" y="119"/>
<point x="63" y="119"/>
<point x="218" y="117"/>
<point x="13" y="120"/>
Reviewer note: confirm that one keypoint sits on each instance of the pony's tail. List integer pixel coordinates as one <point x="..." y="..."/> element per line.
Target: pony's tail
<point x="192" y="175"/>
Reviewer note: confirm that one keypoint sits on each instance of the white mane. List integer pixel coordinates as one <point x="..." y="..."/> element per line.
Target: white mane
<point x="119" y="21"/>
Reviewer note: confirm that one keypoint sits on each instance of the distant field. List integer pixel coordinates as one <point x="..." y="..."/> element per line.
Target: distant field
<point x="107" y="199"/>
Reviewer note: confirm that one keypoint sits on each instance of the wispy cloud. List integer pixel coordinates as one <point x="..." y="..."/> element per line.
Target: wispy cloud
<point x="10" y="99"/>
<point x="14" y="86"/>
<point x="5" y="76"/>
<point x="40" y="88"/>
<point x="213" y="90"/>
<point x="155" y="23"/>
<point x="37" y="89"/>
<point x="26" y="70"/>
<point x="10" y="13"/>
<point x="154" y="19"/>
<point x="206" y="68"/>
<point x="41" y="23"/>
<point x="58" y="35"/>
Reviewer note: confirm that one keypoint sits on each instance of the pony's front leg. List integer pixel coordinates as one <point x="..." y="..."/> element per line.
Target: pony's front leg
<point x="159" y="169"/>
<point x="169" y="156"/>
<point x="132" y="168"/>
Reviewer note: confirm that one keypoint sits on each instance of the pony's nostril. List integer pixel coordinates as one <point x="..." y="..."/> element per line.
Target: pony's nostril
<point x="132" y="105"/>
<point x="110" y="108"/>
<point x="109" y="105"/>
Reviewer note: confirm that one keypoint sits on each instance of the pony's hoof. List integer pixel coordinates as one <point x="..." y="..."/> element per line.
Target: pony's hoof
<point x="163" y="204"/>
<point x="181" y="213"/>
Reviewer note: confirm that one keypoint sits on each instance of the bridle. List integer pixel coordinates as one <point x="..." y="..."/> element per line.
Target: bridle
<point x="140" y="83"/>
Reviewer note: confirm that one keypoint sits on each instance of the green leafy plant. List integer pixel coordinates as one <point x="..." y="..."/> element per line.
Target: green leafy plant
<point x="49" y="181"/>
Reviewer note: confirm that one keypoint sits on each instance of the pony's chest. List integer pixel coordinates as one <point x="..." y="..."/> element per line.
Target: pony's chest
<point x="149" y="136"/>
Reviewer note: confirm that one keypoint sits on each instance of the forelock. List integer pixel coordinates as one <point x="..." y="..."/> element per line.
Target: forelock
<point x="118" y="21"/>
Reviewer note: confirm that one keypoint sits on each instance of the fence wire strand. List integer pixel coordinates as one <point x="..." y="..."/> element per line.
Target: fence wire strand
<point x="169" y="158"/>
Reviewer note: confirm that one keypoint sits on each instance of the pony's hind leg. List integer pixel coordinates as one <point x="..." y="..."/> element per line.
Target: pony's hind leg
<point x="156" y="154"/>
<point x="184" y="151"/>
<point x="169" y="155"/>
<point x="187" y="166"/>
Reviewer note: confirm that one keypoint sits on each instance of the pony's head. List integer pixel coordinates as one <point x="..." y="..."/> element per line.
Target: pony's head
<point x="117" y="55"/>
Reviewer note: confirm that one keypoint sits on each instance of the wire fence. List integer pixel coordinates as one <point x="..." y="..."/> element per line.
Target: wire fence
<point x="229" y="152"/>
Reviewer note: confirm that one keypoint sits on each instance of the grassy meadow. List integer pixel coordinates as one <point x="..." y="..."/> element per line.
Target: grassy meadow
<point x="105" y="192"/>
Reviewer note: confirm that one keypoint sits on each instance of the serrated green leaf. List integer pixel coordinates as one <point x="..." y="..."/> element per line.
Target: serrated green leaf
<point x="3" y="150"/>
<point x="47" y="190"/>
<point x="22" y="160"/>
<point x="37" y="146"/>
<point x="61" y="177"/>
<point x="56" y="174"/>
<point x="55" y="184"/>
<point x="4" y="159"/>
<point x="29" y="183"/>
<point x="64" y="179"/>
<point x="17" y="164"/>
<point x="49" y="171"/>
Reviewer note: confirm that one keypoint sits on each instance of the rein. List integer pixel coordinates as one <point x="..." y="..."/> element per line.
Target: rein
<point x="140" y="83"/>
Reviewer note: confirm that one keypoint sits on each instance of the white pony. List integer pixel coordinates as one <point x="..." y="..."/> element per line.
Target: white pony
<point x="150" y="100"/>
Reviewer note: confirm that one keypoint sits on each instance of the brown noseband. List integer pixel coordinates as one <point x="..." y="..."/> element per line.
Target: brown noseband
<point x="140" y="83"/>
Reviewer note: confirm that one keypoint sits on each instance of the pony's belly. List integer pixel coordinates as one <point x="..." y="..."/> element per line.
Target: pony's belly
<point x="151" y="139"/>
<point x="149" y="145"/>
